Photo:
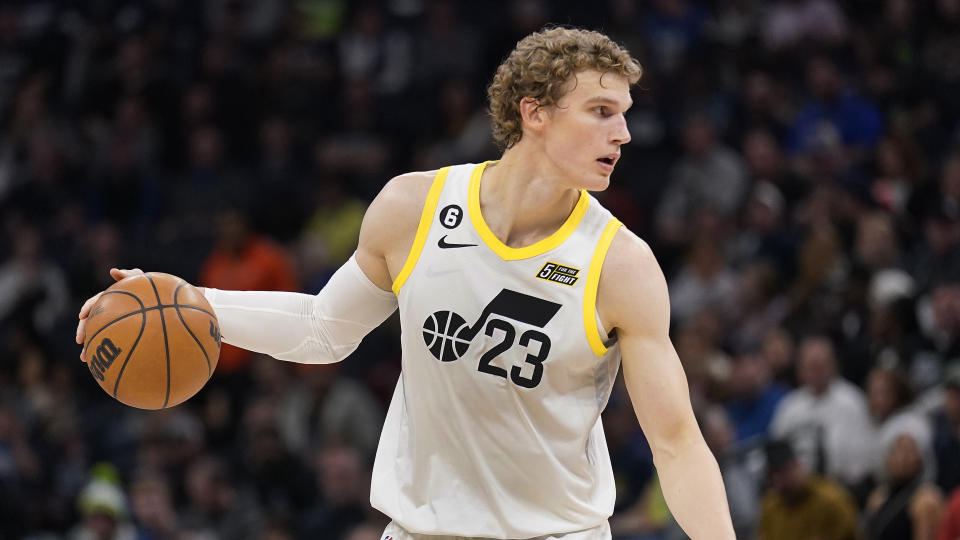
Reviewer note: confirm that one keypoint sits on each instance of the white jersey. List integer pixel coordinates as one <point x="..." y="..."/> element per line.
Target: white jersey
<point x="494" y="428"/>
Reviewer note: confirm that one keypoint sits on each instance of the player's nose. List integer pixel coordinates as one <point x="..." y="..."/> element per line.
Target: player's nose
<point x="621" y="133"/>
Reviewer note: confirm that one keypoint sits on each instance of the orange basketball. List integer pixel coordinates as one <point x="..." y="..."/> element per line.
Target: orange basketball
<point x="152" y="341"/>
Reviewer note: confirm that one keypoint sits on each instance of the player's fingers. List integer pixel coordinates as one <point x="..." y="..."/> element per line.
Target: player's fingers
<point x="118" y="274"/>
<point x="81" y="334"/>
<point x="87" y="306"/>
<point x="84" y="312"/>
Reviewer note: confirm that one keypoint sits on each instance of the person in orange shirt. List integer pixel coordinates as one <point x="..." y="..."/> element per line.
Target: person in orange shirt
<point x="242" y="259"/>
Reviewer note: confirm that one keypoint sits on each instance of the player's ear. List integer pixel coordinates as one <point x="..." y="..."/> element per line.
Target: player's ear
<point x="534" y="116"/>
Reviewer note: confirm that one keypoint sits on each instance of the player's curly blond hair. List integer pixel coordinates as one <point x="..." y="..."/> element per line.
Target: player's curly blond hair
<point x="540" y="66"/>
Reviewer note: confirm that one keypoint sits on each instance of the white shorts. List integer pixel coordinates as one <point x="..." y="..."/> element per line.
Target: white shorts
<point x="395" y="532"/>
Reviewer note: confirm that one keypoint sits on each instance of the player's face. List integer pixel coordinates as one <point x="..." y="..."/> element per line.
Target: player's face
<point x="586" y="128"/>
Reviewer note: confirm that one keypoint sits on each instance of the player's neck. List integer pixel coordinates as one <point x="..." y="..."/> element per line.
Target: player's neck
<point x="522" y="202"/>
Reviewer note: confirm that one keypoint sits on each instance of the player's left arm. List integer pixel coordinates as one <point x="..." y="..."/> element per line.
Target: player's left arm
<point x="632" y="297"/>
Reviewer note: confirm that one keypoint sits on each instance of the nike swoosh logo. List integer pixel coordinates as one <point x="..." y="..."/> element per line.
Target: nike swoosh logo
<point x="446" y="245"/>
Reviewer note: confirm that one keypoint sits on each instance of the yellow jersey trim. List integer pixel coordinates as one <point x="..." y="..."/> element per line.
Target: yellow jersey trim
<point x="506" y="252"/>
<point x="593" y="283"/>
<point x="426" y="217"/>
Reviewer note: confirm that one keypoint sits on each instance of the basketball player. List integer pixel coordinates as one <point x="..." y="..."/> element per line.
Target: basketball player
<point x="518" y="296"/>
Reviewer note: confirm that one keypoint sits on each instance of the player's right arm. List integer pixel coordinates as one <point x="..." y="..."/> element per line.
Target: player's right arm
<point x="329" y="326"/>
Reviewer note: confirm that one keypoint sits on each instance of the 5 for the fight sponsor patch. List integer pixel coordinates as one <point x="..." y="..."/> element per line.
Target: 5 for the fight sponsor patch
<point x="559" y="273"/>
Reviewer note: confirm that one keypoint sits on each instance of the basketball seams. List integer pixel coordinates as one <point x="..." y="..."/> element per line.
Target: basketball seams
<point x="142" y="311"/>
<point x="176" y="307"/>
<point x="195" y="308"/>
<point x="118" y="319"/>
<point x="143" y="326"/>
<point x="166" y="344"/>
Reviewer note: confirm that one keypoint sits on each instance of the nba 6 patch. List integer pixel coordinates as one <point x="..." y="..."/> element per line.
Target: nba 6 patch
<point x="559" y="273"/>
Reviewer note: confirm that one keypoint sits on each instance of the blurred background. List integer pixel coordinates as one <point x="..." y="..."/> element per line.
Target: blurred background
<point x="795" y="165"/>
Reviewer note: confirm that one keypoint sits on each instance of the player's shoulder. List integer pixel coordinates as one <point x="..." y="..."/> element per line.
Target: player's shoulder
<point x="630" y="257"/>
<point x="632" y="289"/>
<point x="394" y="214"/>
<point x="407" y="191"/>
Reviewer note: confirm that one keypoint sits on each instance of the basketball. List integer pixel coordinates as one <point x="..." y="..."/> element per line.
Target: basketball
<point x="152" y="341"/>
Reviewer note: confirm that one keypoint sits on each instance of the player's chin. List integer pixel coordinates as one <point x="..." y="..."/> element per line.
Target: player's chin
<point x="598" y="180"/>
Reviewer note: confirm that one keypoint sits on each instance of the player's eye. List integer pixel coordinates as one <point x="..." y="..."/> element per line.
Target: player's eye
<point x="601" y="110"/>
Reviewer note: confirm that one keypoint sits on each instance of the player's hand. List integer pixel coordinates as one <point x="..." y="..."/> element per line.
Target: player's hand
<point x="116" y="274"/>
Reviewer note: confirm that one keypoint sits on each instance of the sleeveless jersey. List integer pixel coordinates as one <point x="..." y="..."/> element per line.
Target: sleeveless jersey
<point x="494" y="427"/>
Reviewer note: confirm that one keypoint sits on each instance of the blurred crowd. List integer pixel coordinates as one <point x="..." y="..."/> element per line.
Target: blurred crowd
<point x="795" y="164"/>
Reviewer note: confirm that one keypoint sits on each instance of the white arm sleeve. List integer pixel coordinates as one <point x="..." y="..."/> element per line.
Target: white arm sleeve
<point x="301" y="328"/>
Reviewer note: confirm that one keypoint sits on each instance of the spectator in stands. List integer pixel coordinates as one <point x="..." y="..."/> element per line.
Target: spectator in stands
<point x="704" y="282"/>
<point x="329" y="237"/>
<point x="464" y="126"/>
<point x="325" y="409"/>
<point x="755" y="397"/>
<point x="706" y="364"/>
<point x="826" y="418"/>
<point x="778" y="351"/>
<point x="936" y="256"/>
<point x="152" y="506"/>
<point x="766" y="163"/>
<point x="710" y="177"/>
<point x="821" y="273"/>
<point x="103" y="508"/>
<point x="282" y="174"/>
<point x="33" y="288"/>
<point x="372" y="51"/>
<point x="673" y="29"/>
<point x="889" y="397"/>
<point x="762" y="104"/>
<point x="344" y="486"/>
<point x="794" y="22"/>
<point x="800" y="505"/>
<point x="244" y="260"/>
<point x="281" y="480"/>
<point x="20" y="475"/>
<point x="945" y="330"/>
<point x="946" y="425"/>
<point x="950" y="525"/>
<point x="833" y="113"/>
<point x="949" y="194"/>
<point x="892" y="334"/>
<point x="217" y="505"/>
<point x="876" y="246"/>
<point x="758" y="308"/>
<point x="446" y="46"/>
<point x="900" y="169"/>
<point x="904" y="505"/>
